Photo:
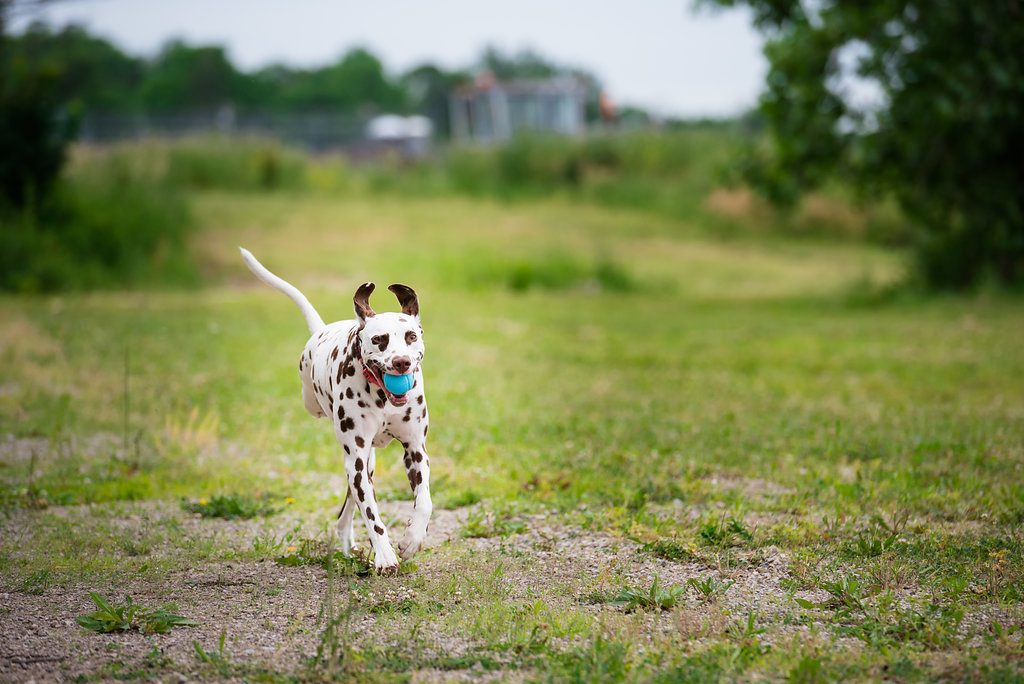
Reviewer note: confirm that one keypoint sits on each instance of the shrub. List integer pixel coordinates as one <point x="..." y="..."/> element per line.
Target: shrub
<point x="109" y="224"/>
<point x="223" y="163"/>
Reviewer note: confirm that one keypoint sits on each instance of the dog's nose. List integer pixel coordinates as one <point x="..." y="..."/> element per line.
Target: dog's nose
<point x="401" y="365"/>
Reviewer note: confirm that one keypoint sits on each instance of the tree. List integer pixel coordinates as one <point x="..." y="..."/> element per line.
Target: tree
<point x="357" y="80"/>
<point x="943" y="136"/>
<point x="90" y="71"/>
<point x="184" y="76"/>
<point x="35" y="127"/>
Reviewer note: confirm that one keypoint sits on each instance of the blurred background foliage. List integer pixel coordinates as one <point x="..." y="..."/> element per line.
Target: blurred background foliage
<point x="932" y="163"/>
<point x="923" y="102"/>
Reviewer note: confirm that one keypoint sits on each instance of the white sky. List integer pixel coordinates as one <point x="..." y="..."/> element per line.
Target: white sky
<point x="657" y="54"/>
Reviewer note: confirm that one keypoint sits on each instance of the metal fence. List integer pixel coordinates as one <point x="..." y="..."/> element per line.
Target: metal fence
<point x="317" y="130"/>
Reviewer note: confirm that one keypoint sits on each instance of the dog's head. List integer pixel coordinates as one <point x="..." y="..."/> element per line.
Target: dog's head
<point x="390" y="342"/>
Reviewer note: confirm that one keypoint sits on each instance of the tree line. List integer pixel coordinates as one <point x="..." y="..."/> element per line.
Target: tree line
<point x="96" y="76"/>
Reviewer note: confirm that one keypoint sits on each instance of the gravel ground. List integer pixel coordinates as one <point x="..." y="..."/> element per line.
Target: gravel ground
<point x="271" y="613"/>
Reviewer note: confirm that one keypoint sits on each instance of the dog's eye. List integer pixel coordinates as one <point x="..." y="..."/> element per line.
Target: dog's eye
<point x="410" y="337"/>
<point x="375" y="339"/>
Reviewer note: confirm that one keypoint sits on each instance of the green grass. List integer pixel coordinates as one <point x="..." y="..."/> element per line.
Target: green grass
<point x="734" y="401"/>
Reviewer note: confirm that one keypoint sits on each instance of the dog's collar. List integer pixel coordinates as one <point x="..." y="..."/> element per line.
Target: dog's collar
<point x="367" y="373"/>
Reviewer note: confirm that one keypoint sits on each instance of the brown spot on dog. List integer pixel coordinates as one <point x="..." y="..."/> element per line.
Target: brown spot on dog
<point x="359" y="464"/>
<point x="347" y="450"/>
<point x="341" y="411"/>
<point x="425" y="428"/>
<point x="419" y="477"/>
<point x="417" y="456"/>
<point x="346" y="425"/>
<point x="349" y="393"/>
<point x="419" y="399"/>
<point x="360" y="442"/>
<point x="378" y="529"/>
<point x="369" y="514"/>
<point x="408" y="461"/>
<point x="334" y="354"/>
<point x="357" y="482"/>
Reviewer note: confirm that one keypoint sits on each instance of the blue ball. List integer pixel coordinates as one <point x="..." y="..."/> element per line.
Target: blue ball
<point x="399" y="384"/>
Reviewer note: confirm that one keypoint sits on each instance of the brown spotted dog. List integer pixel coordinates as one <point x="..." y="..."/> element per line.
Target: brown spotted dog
<point x="342" y="369"/>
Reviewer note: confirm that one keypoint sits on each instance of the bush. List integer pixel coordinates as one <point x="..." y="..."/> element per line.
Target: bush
<point x="111" y="223"/>
<point x="246" y="164"/>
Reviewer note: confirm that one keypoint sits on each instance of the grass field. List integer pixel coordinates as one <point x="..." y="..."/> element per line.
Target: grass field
<point x="656" y="455"/>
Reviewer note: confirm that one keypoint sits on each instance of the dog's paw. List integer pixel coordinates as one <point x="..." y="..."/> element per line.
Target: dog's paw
<point x="388" y="570"/>
<point x="409" y="546"/>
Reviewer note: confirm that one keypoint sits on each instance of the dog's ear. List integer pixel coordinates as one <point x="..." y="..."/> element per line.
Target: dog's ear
<point x="362" y="302"/>
<point x="407" y="298"/>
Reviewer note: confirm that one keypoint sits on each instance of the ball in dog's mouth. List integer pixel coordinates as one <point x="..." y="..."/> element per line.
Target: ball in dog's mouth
<point x="398" y="385"/>
<point x="392" y="383"/>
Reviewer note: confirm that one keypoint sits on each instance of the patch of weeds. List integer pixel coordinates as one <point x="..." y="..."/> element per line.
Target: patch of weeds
<point x="807" y="671"/>
<point x="721" y="662"/>
<point x="36" y="583"/>
<point x="893" y="524"/>
<point x="670" y="549"/>
<point x="482" y="523"/>
<point x="745" y="635"/>
<point x="868" y="545"/>
<point x="218" y="660"/>
<point x="881" y="620"/>
<point x="724" y="531"/>
<point x="889" y="573"/>
<point x="269" y="544"/>
<point x="489" y="583"/>
<point x="405" y="606"/>
<point x="110" y="618"/>
<point x="466" y="497"/>
<point x="232" y="506"/>
<point x="707" y="589"/>
<point x="655" y="598"/>
<point x="602" y="660"/>
<point x="152" y="663"/>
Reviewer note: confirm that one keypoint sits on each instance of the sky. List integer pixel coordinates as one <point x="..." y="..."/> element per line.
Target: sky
<point x="661" y="55"/>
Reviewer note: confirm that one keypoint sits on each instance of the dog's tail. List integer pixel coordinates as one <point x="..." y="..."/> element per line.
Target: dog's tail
<point x="313" y="319"/>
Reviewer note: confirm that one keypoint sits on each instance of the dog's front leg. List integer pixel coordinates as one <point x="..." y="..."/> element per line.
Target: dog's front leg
<point x="358" y="456"/>
<point x="345" y="516"/>
<point x="417" y="469"/>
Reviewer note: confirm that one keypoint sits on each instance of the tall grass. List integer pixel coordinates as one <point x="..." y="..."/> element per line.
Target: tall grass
<point x="112" y="222"/>
<point x="120" y="215"/>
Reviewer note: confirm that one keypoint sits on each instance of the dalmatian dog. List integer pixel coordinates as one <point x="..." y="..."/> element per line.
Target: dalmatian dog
<point x="342" y="369"/>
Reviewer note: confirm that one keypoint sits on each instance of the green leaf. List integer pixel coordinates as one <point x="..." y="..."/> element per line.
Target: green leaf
<point x="804" y="603"/>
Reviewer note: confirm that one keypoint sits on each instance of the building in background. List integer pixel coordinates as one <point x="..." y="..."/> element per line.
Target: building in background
<point x="494" y="111"/>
